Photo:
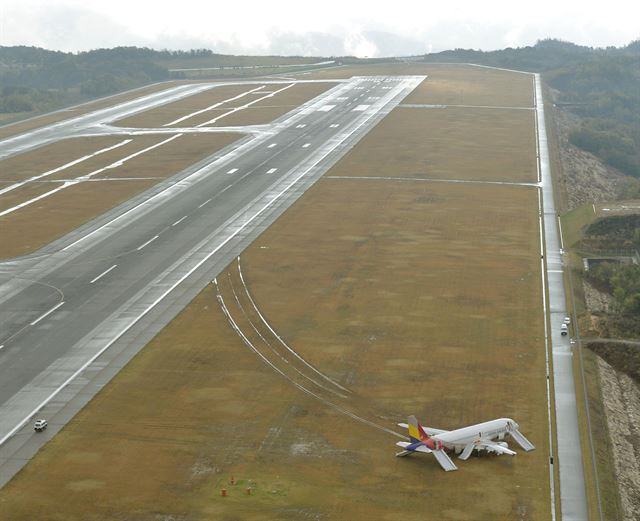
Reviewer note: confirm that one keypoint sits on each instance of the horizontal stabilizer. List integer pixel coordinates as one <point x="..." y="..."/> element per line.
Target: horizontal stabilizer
<point x="521" y="440"/>
<point x="413" y="446"/>
<point x="467" y="451"/>
<point x="444" y="460"/>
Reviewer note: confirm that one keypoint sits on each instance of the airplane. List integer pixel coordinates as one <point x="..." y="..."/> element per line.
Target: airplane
<point x="461" y="441"/>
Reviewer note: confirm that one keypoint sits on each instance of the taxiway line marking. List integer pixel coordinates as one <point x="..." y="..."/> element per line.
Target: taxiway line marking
<point x="211" y="107"/>
<point x="103" y="274"/>
<point x="147" y="243"/>
<point x="42" y="317"/>
<point x="126" y="328"/>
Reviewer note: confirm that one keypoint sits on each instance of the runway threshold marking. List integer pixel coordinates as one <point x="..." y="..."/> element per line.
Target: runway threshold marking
<point x="42" y="317"/>
<point x="147" y="243"/>
<point x="179" y="221"/>
<point x="103" y="274"/>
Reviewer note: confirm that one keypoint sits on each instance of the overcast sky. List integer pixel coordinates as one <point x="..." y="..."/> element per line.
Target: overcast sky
<point x="315" y="27"/>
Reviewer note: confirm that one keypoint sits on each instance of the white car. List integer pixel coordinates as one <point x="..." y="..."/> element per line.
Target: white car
<point x="564" y="329"/>
<point x="40" y="425"/>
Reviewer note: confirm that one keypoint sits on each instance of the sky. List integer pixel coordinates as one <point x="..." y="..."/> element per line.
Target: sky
<point x="315" y="27"/>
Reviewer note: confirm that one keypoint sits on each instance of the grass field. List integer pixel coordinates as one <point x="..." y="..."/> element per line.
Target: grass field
<point x="414" y="297"/>
<point x="449" y="144"/>
<point x="450" y="84"/>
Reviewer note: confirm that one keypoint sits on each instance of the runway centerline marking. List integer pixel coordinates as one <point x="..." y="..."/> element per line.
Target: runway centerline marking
<point x="232" y="171"/>
<point x="306" y="145"/>
<point x="147" y="243"/>
<point x="179" y="221"/>
<point x="271" y="170"/>
<point x="42" y="317"/>
<point x="103" y="274"/>
<point x="272" y="145"/>
<point x="206" y="202"/>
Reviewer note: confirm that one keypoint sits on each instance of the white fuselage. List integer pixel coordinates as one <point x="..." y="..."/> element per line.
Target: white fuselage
<point x="490" y="430"/>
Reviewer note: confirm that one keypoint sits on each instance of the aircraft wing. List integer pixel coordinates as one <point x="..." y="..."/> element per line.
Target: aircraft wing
<point x="429" y="430"/>
<point x="495" y="447"/>
<point x="419" y="448"/>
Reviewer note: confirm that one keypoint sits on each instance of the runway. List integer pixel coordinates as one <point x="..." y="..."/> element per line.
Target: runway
<point x="74" y="314"/>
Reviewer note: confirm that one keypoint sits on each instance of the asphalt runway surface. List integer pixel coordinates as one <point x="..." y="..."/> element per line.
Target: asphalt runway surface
<point x="75" y="312"/>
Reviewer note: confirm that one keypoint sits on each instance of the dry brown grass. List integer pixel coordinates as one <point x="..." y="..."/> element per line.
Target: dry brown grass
<point x="419" y="297"/>
<point x="451" y="84"/>
<point x="33" y="226"/>
<point x="451" y="143"/>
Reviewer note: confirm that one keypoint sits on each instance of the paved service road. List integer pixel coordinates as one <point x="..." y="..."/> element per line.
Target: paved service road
<point x="110" y="286"/>
<point x="573" y="502"/>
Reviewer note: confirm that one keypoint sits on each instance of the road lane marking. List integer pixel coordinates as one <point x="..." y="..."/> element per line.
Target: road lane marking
<point x="41" y="317"/>
<point x="271" y="170"/>
<point x="147" y="243"/>
<point x="103" y="274"/>
<point x="325" y="108"/>
<point x="232" y="171"/>
<point x="272" y="145"/>
<point x="361" y="108"/>
<point x="206" y="202"/>
<point x="179" y="221"/>
<point x="306" y="145"/>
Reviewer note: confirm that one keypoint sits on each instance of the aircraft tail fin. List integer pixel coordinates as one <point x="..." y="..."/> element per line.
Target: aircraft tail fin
<point x="416" y="432"/>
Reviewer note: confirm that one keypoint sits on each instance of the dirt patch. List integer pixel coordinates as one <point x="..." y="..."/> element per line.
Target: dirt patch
<point x="587" y="180"/>
<point x="453" y="143"/>
<point x="622" y="406"/>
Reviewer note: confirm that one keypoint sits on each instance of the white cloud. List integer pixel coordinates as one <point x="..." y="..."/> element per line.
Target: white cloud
<point x="327" y="27"/>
